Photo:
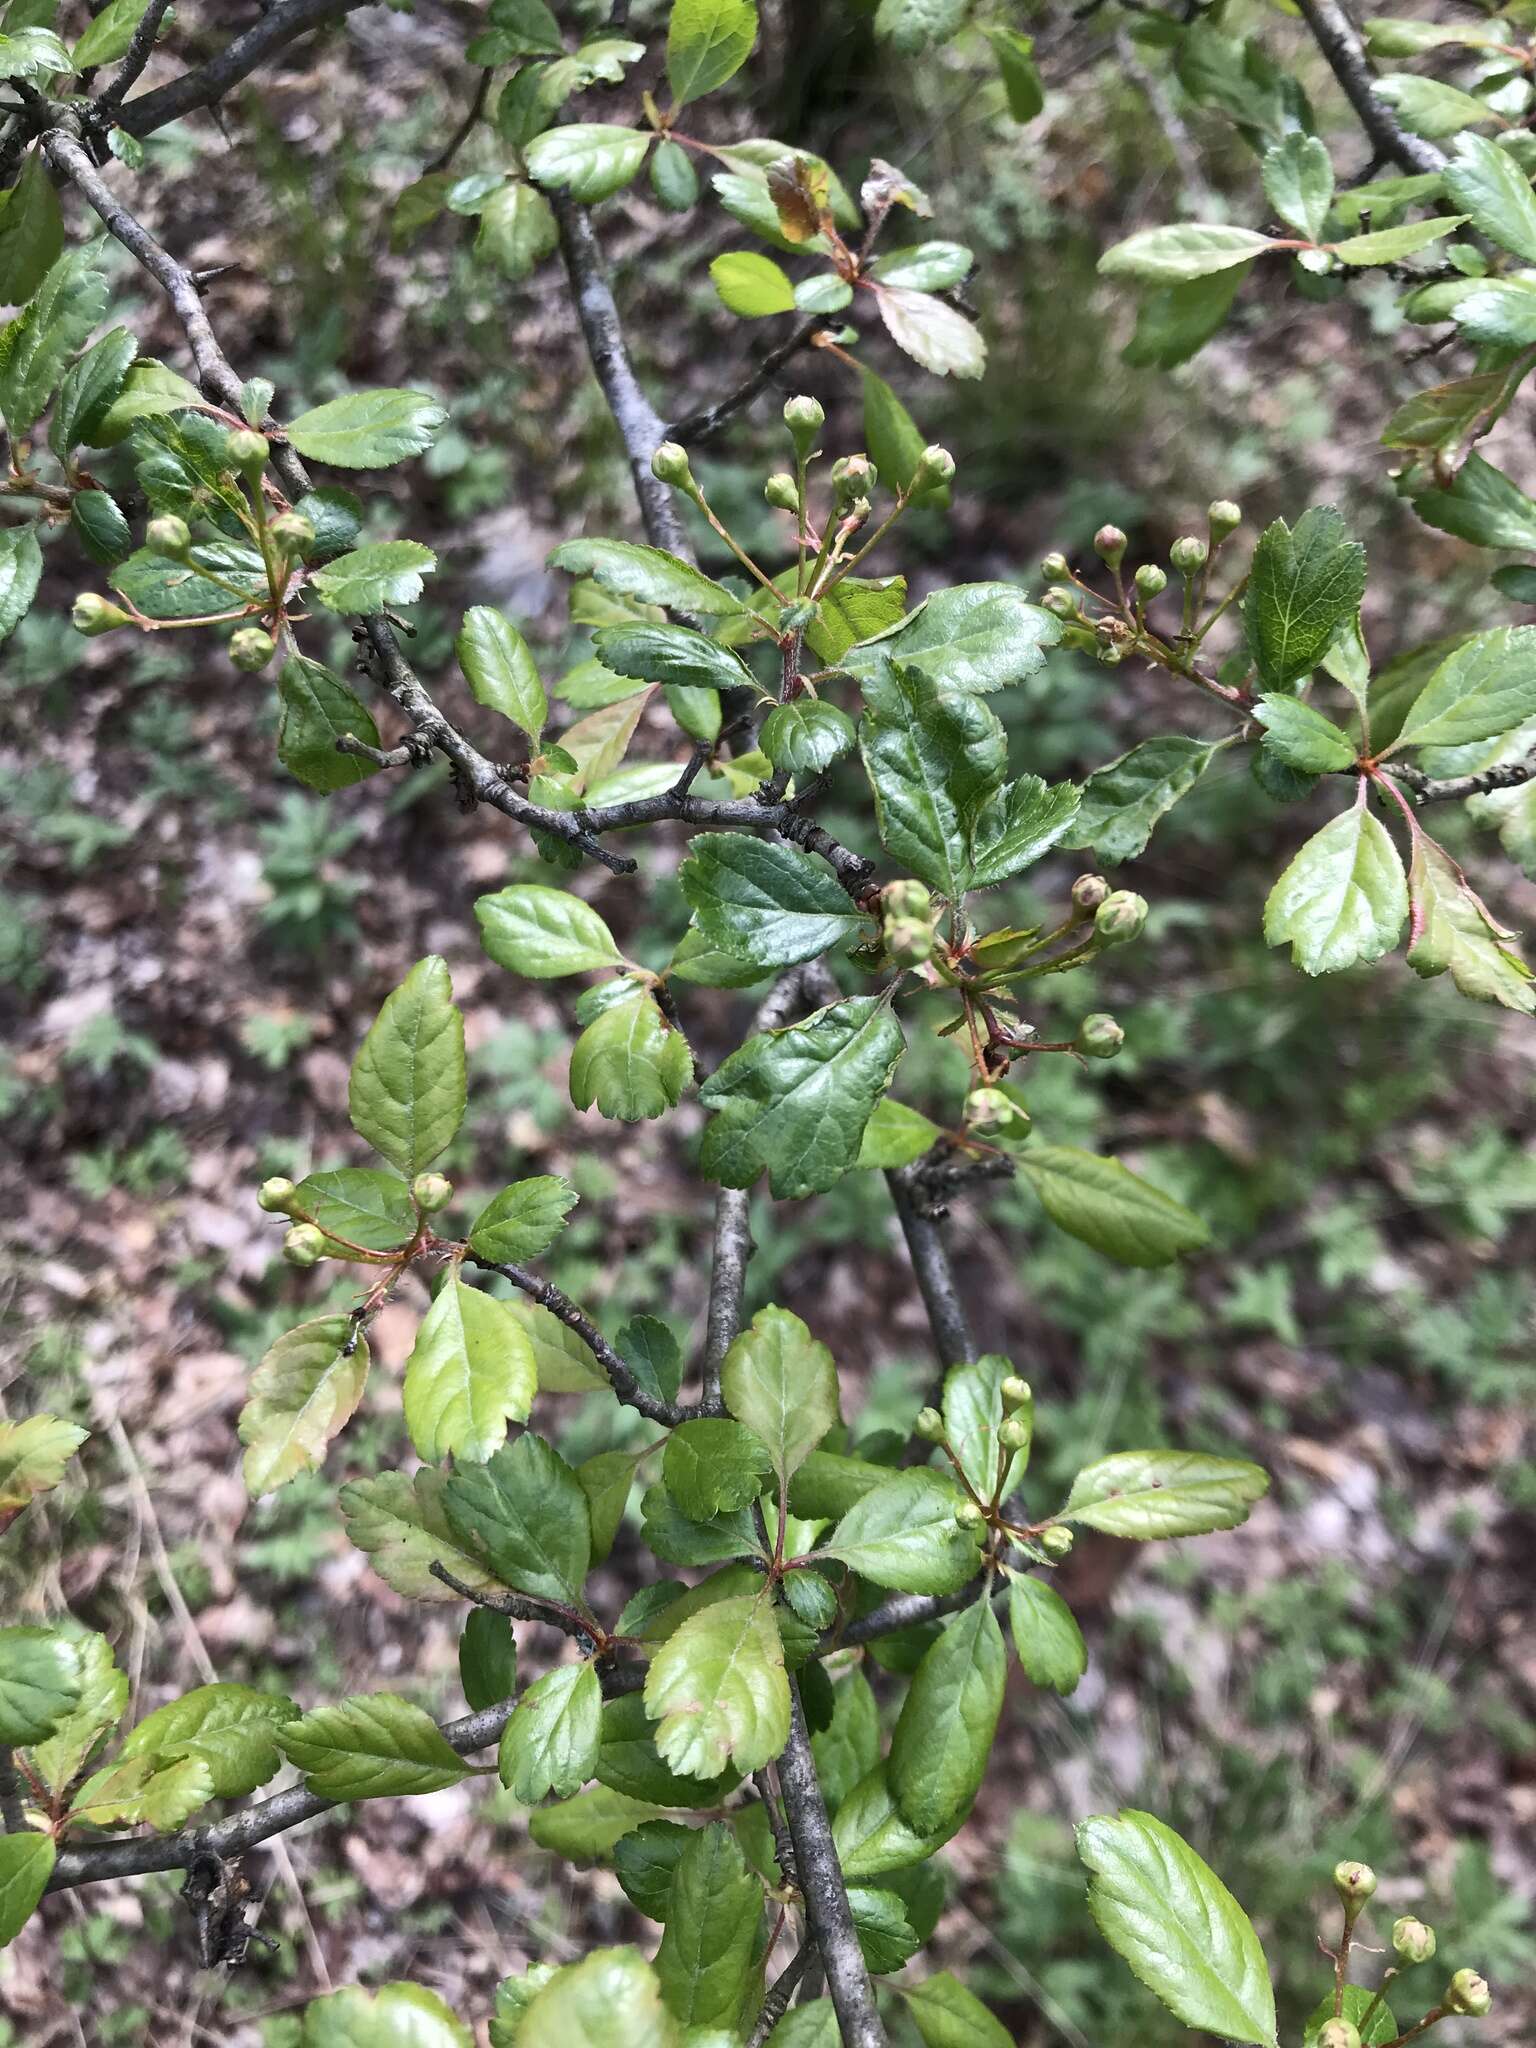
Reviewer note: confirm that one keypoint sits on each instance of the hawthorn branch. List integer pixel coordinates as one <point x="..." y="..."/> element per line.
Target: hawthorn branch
<point x="208" y="83"/>
<point x="12" y="1810"/>
<point x="137" y="55"/>
<point x="729" y="1259"/>
<point x="1435" y="789"/>
<point x="924" y="1232"/>
<point x="1336" y="36"/>
<point x="697" y="427"/>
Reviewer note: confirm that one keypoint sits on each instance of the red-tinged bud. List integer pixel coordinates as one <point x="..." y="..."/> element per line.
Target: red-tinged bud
<point x="1109" y="544"/>
<point x="1088" y="892"/>
<point x="1354" y="1882"/>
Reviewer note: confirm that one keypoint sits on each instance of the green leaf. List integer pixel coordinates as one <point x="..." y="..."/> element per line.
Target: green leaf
<point x="1046" y="1635"/>
<point x="606" y="1479"/>
<point x="895" y="444"/>
<point x="1015" y="827"/>
<point x="629" y="1762"/>
<point x="233" y="1729"/>
<point x="584" y="1829"/>
<point x="896" y="1135"/>
<point x="394" y="2016"/>
<point x="367" y="429"/>
<point x="143" y="1788"/>
<point x="676" y="1539"/>
<point x="374" y="577"/>
<point x="359" y="1205"/>
<point x="1358" y="2001"/>
<point x="100" y="527"/>
<point x="487" y="1658"/>
<point x="973" y="636"/>
<point x="1343" y="898"/>
<point x="524" y="1514"/>
<point x="1172" y="255"/>
<point x="848" y="1748"/>
<point x="651" y="1352"/>
<point x="708" y="41"/>
<point x="933" y="758"/>
<point x="21" y="570"/>
<point x="767" y="903"/>
<point x="973" y="1415"/>
<point x="1487" y="183"/>
<point x="1485" y="688"/>
<point x="470" y="1372"/>
<point x="590" y="159"/>
<point x="1497" y="313"/>
<point x="1429" y="108"/>
<point x="163" y="589"/>
<point x="403" y="1527"/>
<point x="149" y="391"/>
<point x="670" y="654"/>
<point x="40" y="1681"/>
<point x="542" y="932"/>
<point x="750" y="285"/>
<point x="1482" y="505"/>
<point x="303" y="1393"/>
<point x="913" y="25"/>
<point x="109" y="34"/>
<point x="854" y="610"/>
<point x="707" y="1962"/>
<point x="100" y="1705"/>
<point x="611" y="1999"/>
<point x="932" y="332"/>
<point x="1175" y="322"/>
<point x="1391" y="245"/>
<point x="1387" y="36"/>
<point x="925" y="267"/>
<point x="903" y="1534"/>
<point x="1123" y="801"/>
<point x="645" y="1862"/>
<point x="1142" y="1495"/>
<point x="1109" y="1207"/>
<point x="33" y="1456"/>
<point x="944" y="1734"/>
<point x="31" y="52"/>
<point x="31" y="233"/>
<point x="886" y="1936"/>
<point x="626" y="570"/>
<point x="1442" y="417"/>
<point x="517" y="230"/>
<point x="949" y="2016"/>
<point x="779" y="1381"/>
<point x="89" y="387"/>
<point x="803" y="739"/>
<point x="870" y="1835"/>
<point x="1302" y="587"/>
<point x="318" y="708"/>
<point x="407" y="1093"/>
<point x="523" y="1220"/>
<point x="630" y="1061"/>
<point x="565" y="1365"/>
<point x="1182" y="1932"/>
<point x="1301" y="737"/>
<point x="718" y="1691"/>
<point x="714" y="1467"/>
<point x="1298" y="183"/>
<point x="551" y="1742"/>
<point x="1454" y="929"/>
<point x="371" y="1746"/>
<point x="26" y="1864"/>
<point x="795" y="1102"/>
<point x="1022" y="84"/>
<point x="34" y="347"/>
<point x="499" y="669"/>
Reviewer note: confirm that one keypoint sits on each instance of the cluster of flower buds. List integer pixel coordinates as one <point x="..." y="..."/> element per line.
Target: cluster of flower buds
<point x="1467" y="1995"/>
<point x="1188" y="556"/>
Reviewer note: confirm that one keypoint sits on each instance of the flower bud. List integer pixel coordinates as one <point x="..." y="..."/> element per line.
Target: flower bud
<point x="929" y="1426"/>
<point x="1119" y="917"/>
<point x="908" y="940"/>
<point x="670" y="464"/>
<point x="251" y="648"/>
<point x="293" y="533"/>
<point x="246" y="449"/>
<point x="782" y="492"/>
<point x="91" y="615"/>
<point x="906" y="898"/>
<point x="1088" y="892"/>
<point x="1099" y="1037"/>
<point x="988" y="1109"/>
<point x="805" y="419"/>
<point x="1056" y="569"/>
<point x="1061" y="603"/>
<point x="1056" y="1541"/>
<point x="1224" y="518"/>
<point x="853" y="477"/>
<point x="1338" y="2034"/>
<point x="168" y="535"/>
<point x="275" y="1194"/>
<point x="1468" y="1993"/>
<point x="1414" y="1942"/>
<point x="1150" y="580"/>
<point x="1017" y="1393"/>
<point x="1014" y="1433"/>
<point x="1188" y="554"/>
<point x="1110" y="653"/>
<point x="1109" y="545"/>
<point x="935" y="466"/>
<point x="1354" y="1883"/>
<point x="303" y="1245"/>
<point x="969" y="1516"/>
<point x="432" y="1191"/>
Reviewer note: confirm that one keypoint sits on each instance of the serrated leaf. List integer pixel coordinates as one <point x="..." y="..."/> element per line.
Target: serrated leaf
<point x="394" y="2016"/>
<point x="896" y="1135"/>
<point x="794" y="1103"/>
<point x="31" y="232"/>
<point x="948" y="2016"/>
<point x="101" y="1701"/>
<point x="871" y="1838"/>
<point x="304" y="1392"/>
<point x="1454" y="930"/>
<point x="974" y="1411"/>
<point x="89" y="387"/>
<point x="371" y="1746"/>
<point x="933" y="757"/>
<point x="631" y="1062"/>
<point x="565" y="1365"/>
<point x="1488" y="184"/>
<point x="1046" y="1635"/>
<point x="670" y="654"/>
<point x="943" y="1737"/>
<point x="367" y="429"/>
<point x="34" y="347"/>
<point x="926" y="266"/>
<point x="1302" y="587"/>
<point x="373" y="577"/>
<point x="359" y="1205"/>
<point x="1379" y="2032"/>
<point x="21" y="570"/>
<point x="500" y="670"/>
<point x="523" y="1220"/>
<point x="714" y="1466"/>
<point x="718" y="1692"/>
<point x="611" y="1999"/>
<point x="1173" y="255"/>
<point x="1167" y="1913"/>
<point x="1482" y="505"/>
<point x="750" y="285"/>
<point x="708" y="41"/>
<point x="34" y="1454"/>
<point x="1301" y="737"/>
<point x="932" y="332"/>
<point x="1175" y="322"/>
<point x="1343" y="898"/>
<point x="318" y="707"/>
<point x="767" y="903"/>
<point x="407" y="1092"/>
<point x="974" y="637"/>
<point x="629" y="1762"/>
<point x="1109" y="1207"/>
<point x="1428" y="107"/>
<point x="550" y="1744"/>
<point x="589" y="159"/>
<point x="782" y="1383"/>
<point x="1015" y="827"/>
<point x="903" y="1534"/>
<point x="401" y="1524"/>
<point x="518" y="230"/>
<point x="644" y="1862"/>
<point x="1143" y="1495"/>
<point x="232" y="1728"/>
<point x="470" y="1372"/>
<point x="1485" y="688"/>
<point x="803" y="739"/>
<point x="26" y="1864"/>
<point x="543" y="932"/>
<point x="1298" y="183"/>
<point x="487" y="1658"/>
<point x="109" y="34"/>
<point x="647" y="574"/>
<point x="150" y="391"/>
<point x="524" y="1514"/>
<point x="708" y="1959"/>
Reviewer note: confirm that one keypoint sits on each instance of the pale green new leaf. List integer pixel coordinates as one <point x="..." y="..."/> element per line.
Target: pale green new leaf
<point x="1143" y="1495"/>
<point x="590" y="159"/>
<point x="932" y="332"/>
<point x="371" y="1746"/>
<point x="524" y="1514"/>
<point x="232" y="1728"/>
<point x="1046" y="1635"/>
<point x="303" y="1392"/>
<point x="36" y="345"/>
<point x="781" y="1382"/>
<point x="949" y="2016"/>
<point x="407" y="1094"/>
<point x="943" y="1737"/>
<point x="708" y="41"/>
<point x="542" y="932"/>
<point x="1302" y="737"/>
<point x="1298" y="183"/>
<point x="1379" y="2031"/>
<point x="750" y="285"/>
<point x="973" y="1415"/>
<point x="1427" y="107"/>
<point x="165" y="1794"/>
<point x="708" y="1961"/>
<point x="1391" y="245"/>
<point x="896" y="1135"/>
<point x="1172" y="255"/>
<point x="359" y="1206"/>
<point x="21" y="570"/>
<point x="101" y="1702"/>
<point x="367" y="429"/>
<point x="1182" y="1932"/>
<point x="500" y="670"/>
<point x="1343" y="898"/>
<point x="770" y="904"/>
<point x="39" y="1683"/>
<point x="394" y="2016"/>
<point x="626" y="569"/>
<point x="1109" y="1207"/>
<point x="1489" y="184"/>
<point x="517" y="230"/>
<point x="109" y="34"/>
<point x="523" y="1220"/>
<point x="470" y="1372"/>
<point x="33" y="1456"/>
<point x="374" y="577"/>
<point x="913" y="25"/>
<point x="718" y="1692"/>
<point x="401" y="1524"/>
<point x="551" y="1742"/>
<point x="26" y="1864"/>
<point x="610" y="1999"/>
<point x="903" y="1534"/>
<point x="630" y="1061"/>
